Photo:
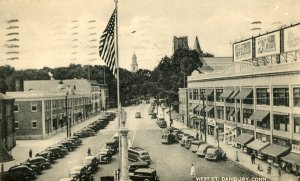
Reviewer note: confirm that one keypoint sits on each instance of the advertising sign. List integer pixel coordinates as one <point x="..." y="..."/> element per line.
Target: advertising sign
<point x="268" y="44"/>
<point x="242" y="50"/>
<point x="292" y="38"/>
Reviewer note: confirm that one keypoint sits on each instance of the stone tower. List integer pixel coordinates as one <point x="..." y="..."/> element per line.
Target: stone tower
<point x="180" y="42"/>
<point x="197" y="46"/>
<point x="134" y="65"/>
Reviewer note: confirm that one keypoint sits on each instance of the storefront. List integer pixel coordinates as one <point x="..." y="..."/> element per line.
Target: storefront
<point x="229" y="134"/>
<point x="211" y="124"/>
<point x="257" y="146"/>
<point x="243" y="139"/>
<point x="291" y="162"/>
<point x="274" y="152"/>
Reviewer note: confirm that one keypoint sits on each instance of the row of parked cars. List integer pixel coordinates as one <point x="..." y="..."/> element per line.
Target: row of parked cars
<point x="201" y="148"/>
<point x="32" y="167"/>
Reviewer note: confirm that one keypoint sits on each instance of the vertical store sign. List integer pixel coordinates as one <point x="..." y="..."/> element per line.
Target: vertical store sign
<point x="292" y="38"/>
<point x="268" y="44"/>
<point x="242" y="50"/>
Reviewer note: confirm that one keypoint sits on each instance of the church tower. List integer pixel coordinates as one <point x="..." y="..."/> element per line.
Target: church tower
<point x="134" y="65"/>
<point x="197" y="47"/>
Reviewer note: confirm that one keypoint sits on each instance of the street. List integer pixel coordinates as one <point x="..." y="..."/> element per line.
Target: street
<point x="172" y="162"/>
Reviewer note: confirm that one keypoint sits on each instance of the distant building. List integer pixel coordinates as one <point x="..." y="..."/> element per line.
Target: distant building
<point x="180" y="43"/>
<point x="197" y="46"/>
<point x="7" y="127"/>
<point x="134" y="64"/>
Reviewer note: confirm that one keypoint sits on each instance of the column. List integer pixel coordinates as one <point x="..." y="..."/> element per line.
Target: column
<point x="43" y="120"/>
<point x="124" y="155"/>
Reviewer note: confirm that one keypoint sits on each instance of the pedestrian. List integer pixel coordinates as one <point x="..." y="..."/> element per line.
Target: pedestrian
<point x="89" y="152"/>
<point x="193" y="172"/>
<point x="30" y="153"/>
<point x="197" y="135"/>
<point x="269" y="169"/>
<point x="253" y="155"/>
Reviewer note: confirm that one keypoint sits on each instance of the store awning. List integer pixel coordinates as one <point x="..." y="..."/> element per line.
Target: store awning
<point x="257" y="145"/>
<point x="292" y="158"/>
<point x="280" y="113"/>
<point x="208" y="92"/>
<point x="259" y="115"/>
<point x="208" y="108"/>
<point x="227" y="92"/>
<point x="244" y="93"/>
<point x="231" y="112"/>
<point x="275" y="150"/>
<point x="244" y="139"/>
<point x="236" y="91"/>
<point x="193" y="106"/>
<point x="237" y="112"/>
<point x="199" y="107"/>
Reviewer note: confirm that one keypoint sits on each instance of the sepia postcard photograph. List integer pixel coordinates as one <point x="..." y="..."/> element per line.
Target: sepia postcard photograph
<point x="149" y="90"/>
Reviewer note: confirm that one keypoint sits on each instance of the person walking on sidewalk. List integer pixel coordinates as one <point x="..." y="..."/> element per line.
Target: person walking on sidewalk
<point x="30" y="153"/>
<point x="253" y="155"/>
<point x="193" y="172"/>
<point x="89" y="152"/>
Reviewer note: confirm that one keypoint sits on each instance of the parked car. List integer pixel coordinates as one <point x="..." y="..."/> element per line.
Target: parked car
<point x="75" y="140"/>
<point x="188" y="142"/>
<point x="91" y="162"/>
<point x="185" y="138"/>
<point x="18" y="173"/>
<point x="153" y="116"/>
<point x="136" y="165"/>
<point x="162" y="124"/>
<point x="64" y="149"/>
<point x="138" y="115"/>
<point x="112" y="145"/>
<point x="109" y="152"/>
<point x="35" y="168"/>
<point x="103" y="156"/>
<point x="57" y="151"/>
<point x="68" y="144"/>
<point x="40" y="162"/>
<point x="202" y="149"/>
<point x="143" y="174"/>
<point x="48" y="155"/>
<point x="215" y="154"/>
<point x="79" y="173"/>
<point x="195" y="145"/>
<point x="138" y="154"/>
<point x="91" y="132"/>
<point x="168" y="138"/>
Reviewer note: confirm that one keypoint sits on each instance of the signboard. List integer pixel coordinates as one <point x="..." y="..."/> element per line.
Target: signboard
<point x="295" y="149"/>
<point x="292" y="38"/>
<point x="268" y="44"/>
<point x="211" y="122"/>
<point x="242" y="50"/>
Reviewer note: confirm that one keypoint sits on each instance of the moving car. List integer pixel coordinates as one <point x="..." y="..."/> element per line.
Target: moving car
<point x="138" y="154"/>
<point x="138" y="115"/>
<point x="203" y="148"/>
<point x="215" y="154"/>
<point x="195" y="145"/>
<point x="143" y="174"/>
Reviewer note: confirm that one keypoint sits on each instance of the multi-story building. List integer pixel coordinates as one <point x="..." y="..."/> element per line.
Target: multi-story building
<point x="7" y="129"/>
<point x="180" y="43"/>
<point x="134" y="64"/>
<point x="255" y="101"/>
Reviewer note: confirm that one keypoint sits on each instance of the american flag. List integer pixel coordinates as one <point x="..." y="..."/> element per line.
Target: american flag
<point x="107" y="45"/>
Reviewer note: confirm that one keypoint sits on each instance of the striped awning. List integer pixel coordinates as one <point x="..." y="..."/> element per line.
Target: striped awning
<point x="208" y="92"/>
<point x="244" y="93"/>
<point x="227" y="91"/>
<point x="259" y="115"/>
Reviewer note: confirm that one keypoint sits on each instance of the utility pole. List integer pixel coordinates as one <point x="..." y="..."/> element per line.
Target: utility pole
<point x="204" y="115"/>
<point x="67" y="117"/>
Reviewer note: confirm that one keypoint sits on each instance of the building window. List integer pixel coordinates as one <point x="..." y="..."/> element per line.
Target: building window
<point x="230" y="114"/>
<point x="263" y="137"/>
<point x="263" y="96"/>
<point x="220" y="112"/>
<point x="210" y="97"/>
<point x="16" y="124"/>
<point x="202" y="91"/>
<point x="8" y="109"/>
<point x="246" y="114"/>
<point x="248" y="99"/>
<point x="195" y="94"/>
<point x="16" y="108"/>
<point x="218" y="93"/>
<point x="281" y="96"/>
<point x="264" y="123"/>
<point x="34" y="107"/>
<point x="33" y="124"/>
<point x="297" y="125"/>
<point x="296" y="93"/>
<point x="191" y="94"/>
<point x="47" y="105"/>
<point x="281" y="122"/>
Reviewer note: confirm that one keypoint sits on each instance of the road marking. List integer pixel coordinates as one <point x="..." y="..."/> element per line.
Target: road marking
<point x="133" y="137"/>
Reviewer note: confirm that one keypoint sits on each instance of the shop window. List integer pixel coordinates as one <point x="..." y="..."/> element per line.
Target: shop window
<point x="34" y="107"/>
<point x="282" y="142"/>
<point x="195" y="94"/>
<point x="248" y="99"/>
<point x="220" y="112"/>
<point x="34" y="124"/>
<point x="218" y="93"/>
<point x="16" y="124"/>
<point x="16" y="108"/>
<point x="263" y="137"/>
<point x="281" y="97"/>
<point x="296" y="94"/>
<point x="265" y="123"/>
<point x="262" y="96"/>
<point x="246" y="114"/>
<point x="281" y="122"/>
<point x="297" y="125"/>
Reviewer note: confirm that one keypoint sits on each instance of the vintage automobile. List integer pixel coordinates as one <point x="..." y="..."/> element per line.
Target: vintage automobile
<point x="215" y="154"/>
<point x="103" y="156"/>
<point x="48" y="155"/>
<point x="79" y="173"/>
<point x="136" y="165"/>
<point x="162" y="124"/>
<point x="138" y="154"/>
<point x="91" y="162"/>
<point x="57" y="151"/>
<point x="40" y="162"/>
<point x="35" y="168"/>
<point x="153" y="116"/>
<point x="203" y="148"/>
<point x="138" y="115"/>
<point x="109" y="152"/>
<point x="70" y="145"/>
<point x="168" y="138"/>
<point x="186" y="138"/>
<point x="195" y="145"/>
<point x="143" y="174"/>
<point x="19" y="172"/>
<point x="112" y="145"/>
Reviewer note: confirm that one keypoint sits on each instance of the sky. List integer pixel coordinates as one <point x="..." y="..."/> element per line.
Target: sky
<point x="59" y="32"/>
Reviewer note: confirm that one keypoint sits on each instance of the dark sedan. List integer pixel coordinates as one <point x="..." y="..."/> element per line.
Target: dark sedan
<point x="40" y="162"/>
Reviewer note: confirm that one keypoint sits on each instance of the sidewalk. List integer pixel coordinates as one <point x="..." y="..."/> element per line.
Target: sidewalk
<point x="244" y="159"/>
<point x="20" y="152"/>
